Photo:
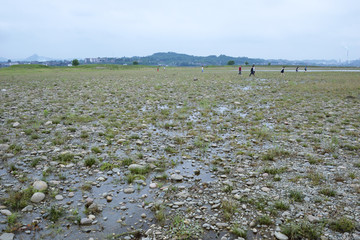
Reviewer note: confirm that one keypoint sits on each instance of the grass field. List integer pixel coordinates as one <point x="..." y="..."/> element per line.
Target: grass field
<point x="254" y="143"/>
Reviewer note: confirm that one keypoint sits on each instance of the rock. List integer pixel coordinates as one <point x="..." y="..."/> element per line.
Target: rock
<point x="153" y="185"/>
<point x="176" y="177"/>
<point x="281" y="236"/>
<point x="312" y="218"/>
<point x="16" y="124"/>
<point x="7" y="236"/>
<point x="109" y="198"/>
<point x="71" y="194"/>
<point x="129" y="190"/>
<point x="5" y="212"/>
<point x="222" y="225"/>
<point x="28" y="208"/>
<point x="59" y="197"/>
<point x="40" y="185"/>
<point x="265" y="189"/>
<point x="135" y="166"/>
<point x="143" y="215"/>
<point x="4" y="147"/>
<point x="48" y="123"/>
<point x="85" y="221"/>
<point x="37" y="197"/>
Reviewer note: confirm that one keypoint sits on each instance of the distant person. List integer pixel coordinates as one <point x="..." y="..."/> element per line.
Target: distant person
<point x="252" y="70"/>
<point x="282" y="71"/>
<point x="239" y="70"/>
<point x="157" y="68"/>
<point x="297" y="69"/>
<point x="202" y="68"/>
<point x="305" y="68"/>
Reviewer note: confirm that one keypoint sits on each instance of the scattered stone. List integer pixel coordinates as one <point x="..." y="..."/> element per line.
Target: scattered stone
<point x="129" y="190"/>
<point x="176" y="177"/>
<point x="40" y="185"/>
<point x="281" y="236"/>
<point x="153" y="185"/>
<point x="5" y="212"/>
<point x="16" y="124"/>
<point x="59" y="197"/>
<point x="37" y="197"/>
<point x="85" y="221"/>
<point x="7" y="236"/>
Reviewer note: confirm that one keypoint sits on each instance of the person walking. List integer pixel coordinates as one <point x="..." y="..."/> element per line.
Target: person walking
<point x="239" y="70"/>
<point x="252" y="70"/>
<point x="305" y="68"/>
<point x="297" y="69"/>
<point x="202" y="68"/>
<point x="282" y="71"/>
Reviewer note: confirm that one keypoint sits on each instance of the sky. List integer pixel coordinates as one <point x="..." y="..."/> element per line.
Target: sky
<point x="269" y="29"/>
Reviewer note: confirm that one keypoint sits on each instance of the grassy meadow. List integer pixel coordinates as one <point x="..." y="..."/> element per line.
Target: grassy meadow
<point x="267" y="154"/>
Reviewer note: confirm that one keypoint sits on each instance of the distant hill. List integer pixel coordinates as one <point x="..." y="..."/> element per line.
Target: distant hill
<point x="37" y="58"/>
<point x="177" y="59"/>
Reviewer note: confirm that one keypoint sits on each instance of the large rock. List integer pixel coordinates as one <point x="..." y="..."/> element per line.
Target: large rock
<point x="129" y="190"/>
<point x="7" y="236"/>
<point x="281" y="236"/>
<point x="136" y="166"/>
<point x="4" y="147"/>
<point x="37" y="197"/>
<point x="5" y="212"/>
<point x="85" y="221"/>
<point x="40" y="185"/>
<point x="176" y="177"/>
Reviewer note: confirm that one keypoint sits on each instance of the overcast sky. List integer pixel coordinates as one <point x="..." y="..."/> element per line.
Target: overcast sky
<point x="270" y="29"/>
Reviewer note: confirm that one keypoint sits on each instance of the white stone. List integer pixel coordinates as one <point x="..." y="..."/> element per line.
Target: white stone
<point x="59" y="197"/>
<point x="129" y="190"/>
<point x="281" y="236"/>
<point x="37" y="197"/>
<point x="7" y="236"/>
<point x="153" y="185"/>
<point x="176" y="177"/>
<point x="40" y="185"/>
<point x="85" y="221"/>
<point x="5" y="212"/>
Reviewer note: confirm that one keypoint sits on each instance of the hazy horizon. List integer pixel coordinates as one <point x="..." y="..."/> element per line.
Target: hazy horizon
<point x="291" y="30"/>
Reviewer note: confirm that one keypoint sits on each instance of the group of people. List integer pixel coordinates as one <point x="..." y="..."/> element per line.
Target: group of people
<point x="252" y="70"/>
<point x="282" y="71"/>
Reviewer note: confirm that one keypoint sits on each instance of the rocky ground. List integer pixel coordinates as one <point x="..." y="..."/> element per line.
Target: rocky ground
<point x="98" y="153"/>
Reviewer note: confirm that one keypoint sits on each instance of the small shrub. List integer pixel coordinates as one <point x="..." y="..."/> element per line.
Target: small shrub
<point x="342" y="225"/>
<point x="328" y="192"/>
<point x="35" y="162"/>
<point x="264" y="220"/>
<point x="95" y="150"/>
<point x="304" y="230"/>
<point x="296" y="196"/>
<point x="65" y="157"/>
<point x="126" y="162"/>
<point x="89" y="162"/>
<point x="238" y="231"/>
<point x="84" y="134"/>
<point x="281" y="205"/>
<point x="55" y="212"/>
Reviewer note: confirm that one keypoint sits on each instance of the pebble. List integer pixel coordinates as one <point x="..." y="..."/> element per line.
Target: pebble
<point x="59" y="197"/>
<point x="176" y="177"/>
<point x="40" y="185"/>
<point x="281" y="236"/>
<point x="37" y="197"/>
<point x="129" y="190"/>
